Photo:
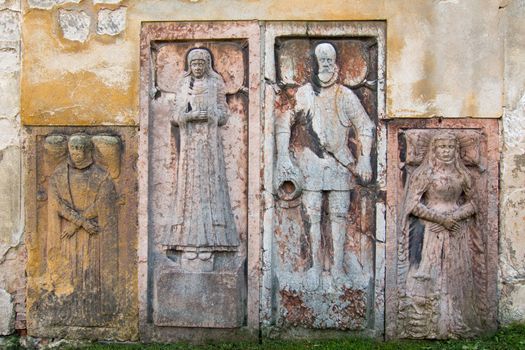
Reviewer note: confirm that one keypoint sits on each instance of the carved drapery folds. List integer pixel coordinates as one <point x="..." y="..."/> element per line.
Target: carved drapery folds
<point x="77" y="265"/>
<point x="201" y="109"/>
<point x="443" y="252"/>
<point x="203" y="219"/>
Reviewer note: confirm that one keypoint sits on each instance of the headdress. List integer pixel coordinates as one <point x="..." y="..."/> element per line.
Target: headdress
<point x="205" y="55"/>
<point x="199" y="54"/>
<point x="82" y="140"/>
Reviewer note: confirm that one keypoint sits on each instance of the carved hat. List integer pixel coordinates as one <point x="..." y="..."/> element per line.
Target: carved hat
<point x="444" y="135"/>
<point x="81" y="141"/>
<point x="84" y="142"/>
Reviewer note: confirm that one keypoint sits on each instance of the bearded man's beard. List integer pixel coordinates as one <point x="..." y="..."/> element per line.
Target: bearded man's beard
<point x="325" y="75"/>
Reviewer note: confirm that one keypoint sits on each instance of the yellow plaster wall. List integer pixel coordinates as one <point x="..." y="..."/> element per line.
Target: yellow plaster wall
<point x="444" y="57"/>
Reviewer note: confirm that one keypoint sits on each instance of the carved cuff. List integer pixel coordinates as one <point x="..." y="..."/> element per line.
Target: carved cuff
<point x="465" y="211"/>
<point x="428" y="214"/>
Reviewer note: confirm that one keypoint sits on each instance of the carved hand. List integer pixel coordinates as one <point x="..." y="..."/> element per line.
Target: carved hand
<point x="285" y="168"/>
<point x="69" y="231"/>
<point x="91" y="227"/>
<point x="451" y="224"/>
<point x="364" y="169"/>
<point x="199" y="116"/>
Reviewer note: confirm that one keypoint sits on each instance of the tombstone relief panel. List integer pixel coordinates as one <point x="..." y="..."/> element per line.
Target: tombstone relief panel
<point x="80" y="274"/>
<point x="443" y="259"/>
<point x="202" y="241"/>
<point x="199" y="180"/>
<point x="325" y="92"/>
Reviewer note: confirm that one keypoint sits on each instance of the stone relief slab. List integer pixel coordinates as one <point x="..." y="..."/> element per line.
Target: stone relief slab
<point x="442" y="228"/>
<point x="324" y="177"/>
<point x="81" y="232"/>
<point x="199" y="221"/>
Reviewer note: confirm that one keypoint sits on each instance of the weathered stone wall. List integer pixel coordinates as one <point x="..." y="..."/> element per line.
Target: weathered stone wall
<point x="442" y="60"/>
<point x="12" y="251"/>
<point x="80" y="66"/>
<point x="512" y="203"/>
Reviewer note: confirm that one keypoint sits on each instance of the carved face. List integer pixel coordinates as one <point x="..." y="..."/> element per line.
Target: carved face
<point x="445" y="150"/>
<point x="198" y="68"/>
<point x="325" y="55"/>
<point x="79" y="154"/>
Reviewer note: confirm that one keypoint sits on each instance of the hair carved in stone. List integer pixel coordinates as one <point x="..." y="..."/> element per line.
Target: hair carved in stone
<point x="440" y="251"/>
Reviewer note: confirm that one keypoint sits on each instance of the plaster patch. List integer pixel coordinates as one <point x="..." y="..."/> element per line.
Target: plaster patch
<point x="514" y="125"/>
<point x="511" y="307"/>
<point x="513" y="245"/>
<point x="9" y="95"/>
<point x="10" y="4"/>
<point x="9" y="135"/>
<point x="49" y="4"/>
<point x="9" y="59"/>
<point x="6" y="313"/>
<point x="74" y="24"/>
<point x="9" y="25"/>
<point x="107" y="1"/>
<point x="111" y="22"/>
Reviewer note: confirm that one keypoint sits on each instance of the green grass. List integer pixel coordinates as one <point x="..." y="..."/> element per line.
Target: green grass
<point x="508" y="338"/>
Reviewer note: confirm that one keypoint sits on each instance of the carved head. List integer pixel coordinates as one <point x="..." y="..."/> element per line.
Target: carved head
<point x="325" y="55"/>
<point x="199" y="62"/>
<point x="444" y="146"/>
<point x="80" y="149"/>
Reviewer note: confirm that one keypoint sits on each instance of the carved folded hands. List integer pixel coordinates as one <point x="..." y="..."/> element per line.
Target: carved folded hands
<point x="450" y="221"/>
<point x="77" y="220"/>
<point x="90" y="225"/>
<point x="197" y="116"/>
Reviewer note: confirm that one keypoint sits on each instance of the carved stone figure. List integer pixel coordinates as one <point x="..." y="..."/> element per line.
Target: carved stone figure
<point x="326" y="165"/>
<point x="439" y="247"/>
<point x="203" y="220"/>
<point x="82" y="237"/>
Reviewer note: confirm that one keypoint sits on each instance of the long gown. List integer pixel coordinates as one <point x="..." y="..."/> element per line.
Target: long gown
<point x="439" y="300"/>
<point x="203" y="216"/>
<point x="84" y="267"/>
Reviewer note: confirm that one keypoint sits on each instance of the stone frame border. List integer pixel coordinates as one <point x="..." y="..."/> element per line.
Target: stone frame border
<point x="30" y="179"/>
<point x="490" y="128"/>
<point x="272" y="30"/>
<point x="249" y="31"/>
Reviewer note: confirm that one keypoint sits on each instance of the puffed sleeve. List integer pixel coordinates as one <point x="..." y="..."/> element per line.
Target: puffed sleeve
<point x="222" y="105"/>
<point x="354" y="113"/>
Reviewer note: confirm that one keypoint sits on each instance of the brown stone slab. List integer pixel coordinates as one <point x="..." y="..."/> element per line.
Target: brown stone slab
<point x="169" y="243"/>
<point x="451" y="294"/>
<point x="81" y="232"/>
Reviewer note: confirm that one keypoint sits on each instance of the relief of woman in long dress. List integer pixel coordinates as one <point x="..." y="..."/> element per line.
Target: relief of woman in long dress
<point x="203" y="218"/>
<point x="440" y="272"/>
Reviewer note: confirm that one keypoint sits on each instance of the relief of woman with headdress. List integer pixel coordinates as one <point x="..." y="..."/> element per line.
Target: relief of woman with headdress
<point x="437" y="269"/>
<point x="203" y="220"/>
